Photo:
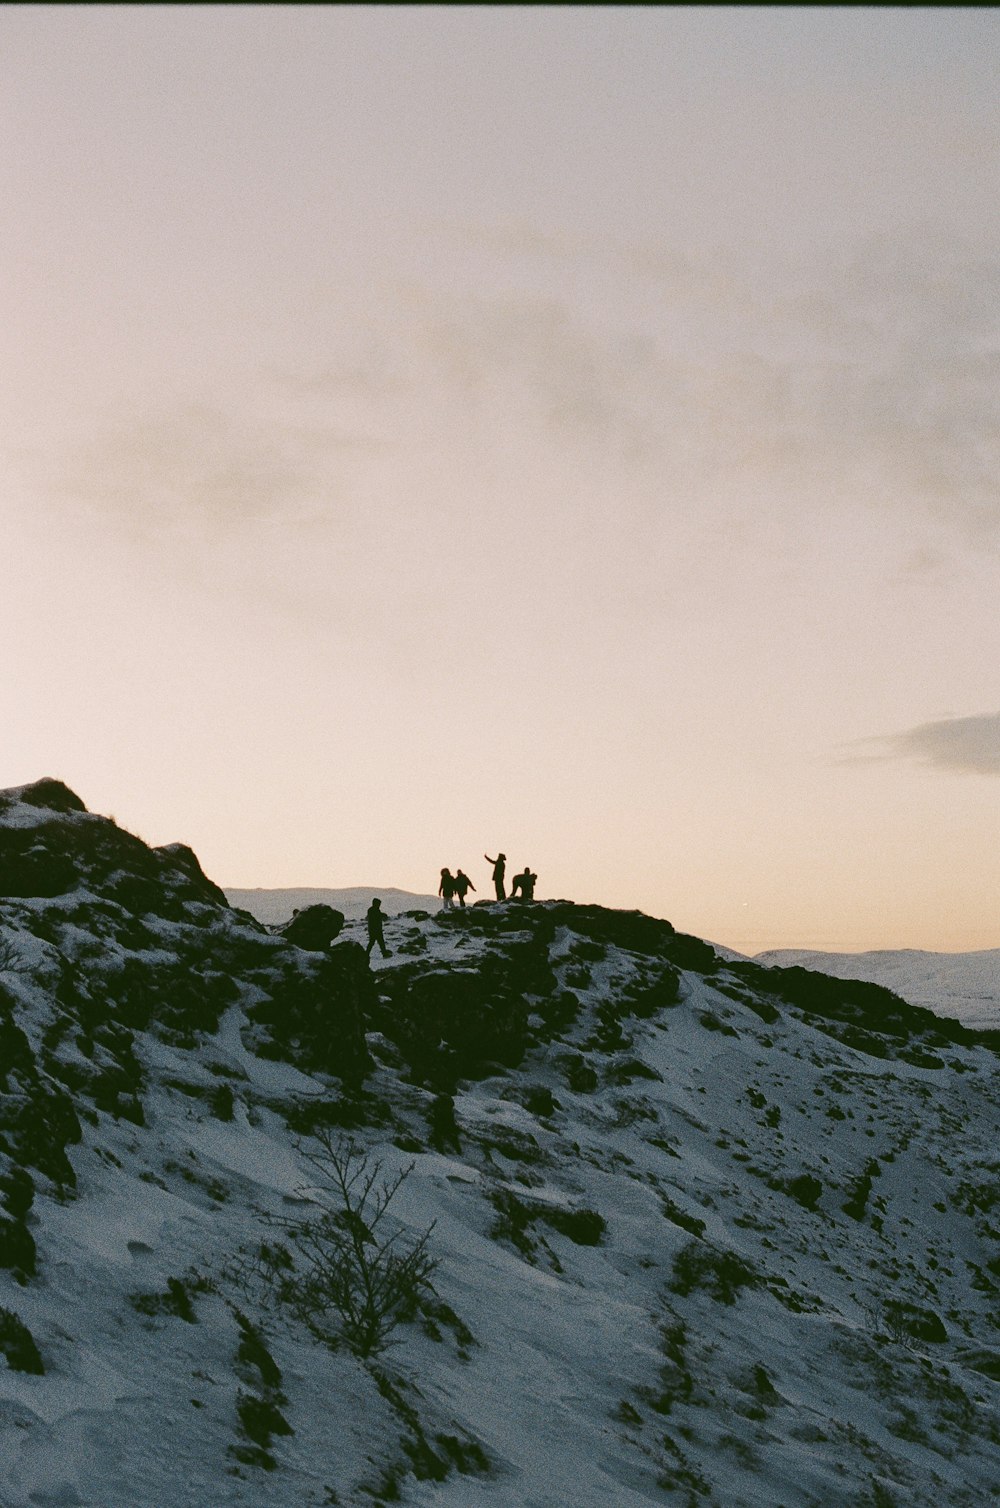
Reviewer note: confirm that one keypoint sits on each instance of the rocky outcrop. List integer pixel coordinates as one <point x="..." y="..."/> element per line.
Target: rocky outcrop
<point x="125" y="938"/>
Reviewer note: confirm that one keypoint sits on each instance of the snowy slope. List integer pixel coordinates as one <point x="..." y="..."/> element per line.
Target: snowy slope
<point x="963" y="985"/>
<point x="705" y="1232"/>
<point x="274" y="906"/>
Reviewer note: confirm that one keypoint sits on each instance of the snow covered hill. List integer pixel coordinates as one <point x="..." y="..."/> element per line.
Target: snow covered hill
<point x="963" y="985"/>
<point x="275" y="906"/>
<point x="703" y="1232"/>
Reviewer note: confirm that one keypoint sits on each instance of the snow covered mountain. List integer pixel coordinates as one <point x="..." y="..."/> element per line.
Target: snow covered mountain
<point x="963" y="985"/>
<point x="638" y="1224"/>
<point x="275" y="906"/>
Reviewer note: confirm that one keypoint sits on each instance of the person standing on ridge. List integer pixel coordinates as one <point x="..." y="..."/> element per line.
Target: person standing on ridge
<point x="446" y="889"/>
<point x="462" y="886"/>
<point x="375" y="918"/>
<point x="499" y="869"/>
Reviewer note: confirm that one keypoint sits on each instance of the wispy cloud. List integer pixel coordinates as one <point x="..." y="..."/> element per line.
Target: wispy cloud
<point x="199" y="469"/>
<point x="874" y="382"/>
<point x="874" y="378"/>
<point x="969" y="745"/>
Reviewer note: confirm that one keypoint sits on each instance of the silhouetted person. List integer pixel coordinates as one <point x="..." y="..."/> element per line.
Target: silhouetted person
<point x="499" y="869"/>
<point x="446" y="889"/>
<point x="375" y="919"/>
<point x="525" y="883"/>
<point x="462" y="886"/>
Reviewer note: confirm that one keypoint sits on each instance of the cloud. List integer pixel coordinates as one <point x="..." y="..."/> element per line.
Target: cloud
<point x="870" y="378"/>
<point x="199" y="469"/>
<point x="970" y="745"/>
<point x="906" y="390"/>
<point x="671" y="380"/>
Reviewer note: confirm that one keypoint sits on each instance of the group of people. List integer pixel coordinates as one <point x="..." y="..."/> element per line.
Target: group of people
<point x="523" y="883"/>
<point x="452" y="885"/>
<point x="457" y="886"/>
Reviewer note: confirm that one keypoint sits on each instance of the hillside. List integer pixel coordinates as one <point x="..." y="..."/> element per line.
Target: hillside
<point x="963" y="985"/>
<point x="702" y="1232"/>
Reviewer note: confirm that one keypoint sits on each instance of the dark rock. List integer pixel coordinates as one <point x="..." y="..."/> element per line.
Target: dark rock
<point x="17" y="1192"/>
<point x="580" y="1075"/>
<point x="314" y="927"/>
<point x="183" y="861"/>
<point x="44" y="1126"/>
<point x="444" y="1132"/>
<point x="53" y="795"/>
<point x="30" y="867"/>
<point x="865" y="1016"/>
<point x="472" y="1012"/>
<point x="692" y="953"/>
<point x="559" y="1011"/>
<point x="648" y="1000"/>
<point x="632" y="930"/>
<point x="15" y="1049"/>
<point x="316" y="1011"/>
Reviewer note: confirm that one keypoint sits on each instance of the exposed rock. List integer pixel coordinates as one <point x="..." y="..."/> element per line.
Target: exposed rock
<point x="314" y="927"/>
<point x="52" y="794"/>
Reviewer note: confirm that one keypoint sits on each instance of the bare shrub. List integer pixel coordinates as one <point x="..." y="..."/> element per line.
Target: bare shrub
<point x="344" y="1270"/>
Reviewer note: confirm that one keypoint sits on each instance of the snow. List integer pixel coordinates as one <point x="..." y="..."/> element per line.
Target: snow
<point x="594" y="1376"/>
<point x="965" y="986"/>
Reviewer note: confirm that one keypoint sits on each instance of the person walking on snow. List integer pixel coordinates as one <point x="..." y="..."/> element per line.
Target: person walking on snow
<point x="499" y="867"/>
<point x="446" y="889"/>
<point x="375" y="919"/>
<point x="462" y="886"/>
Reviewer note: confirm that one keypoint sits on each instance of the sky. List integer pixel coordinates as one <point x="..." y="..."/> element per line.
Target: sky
<point x="572" y="431"/>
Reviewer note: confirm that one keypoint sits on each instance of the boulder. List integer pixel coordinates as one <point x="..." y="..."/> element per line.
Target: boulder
<point x="314" y="927"/>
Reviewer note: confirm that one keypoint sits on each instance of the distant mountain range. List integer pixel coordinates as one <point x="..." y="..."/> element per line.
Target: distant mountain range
<point x="272" y="906"/>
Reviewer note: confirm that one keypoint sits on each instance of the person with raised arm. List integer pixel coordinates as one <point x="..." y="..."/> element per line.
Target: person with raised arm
<point x="499" y="869"/>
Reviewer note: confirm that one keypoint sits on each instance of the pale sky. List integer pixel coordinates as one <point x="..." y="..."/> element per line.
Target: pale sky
<point x="576" y="432"/>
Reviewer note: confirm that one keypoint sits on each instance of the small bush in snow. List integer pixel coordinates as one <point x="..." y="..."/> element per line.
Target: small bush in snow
<point x="17" y="1192"/>
<point x="176" y="1300"/>
<point x="720" y="1273"/>
<point x="221" y="1102"/>
<point x="18" y="1345"/>
<point x="259" y="1412"/>
<point x="10" y="958"/>
<point x="583" y="1227"/>
<point x="17" y="1248"/>
<point x="805" y="1190"/>
<point x="860" y="1189"/>
<point x="340" y="1269"/>
<point x="261" y="1418"/>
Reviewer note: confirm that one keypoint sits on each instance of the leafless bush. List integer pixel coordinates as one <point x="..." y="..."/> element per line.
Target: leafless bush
<point x="10" y="958"/>
<point x="344" y="1270"/>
